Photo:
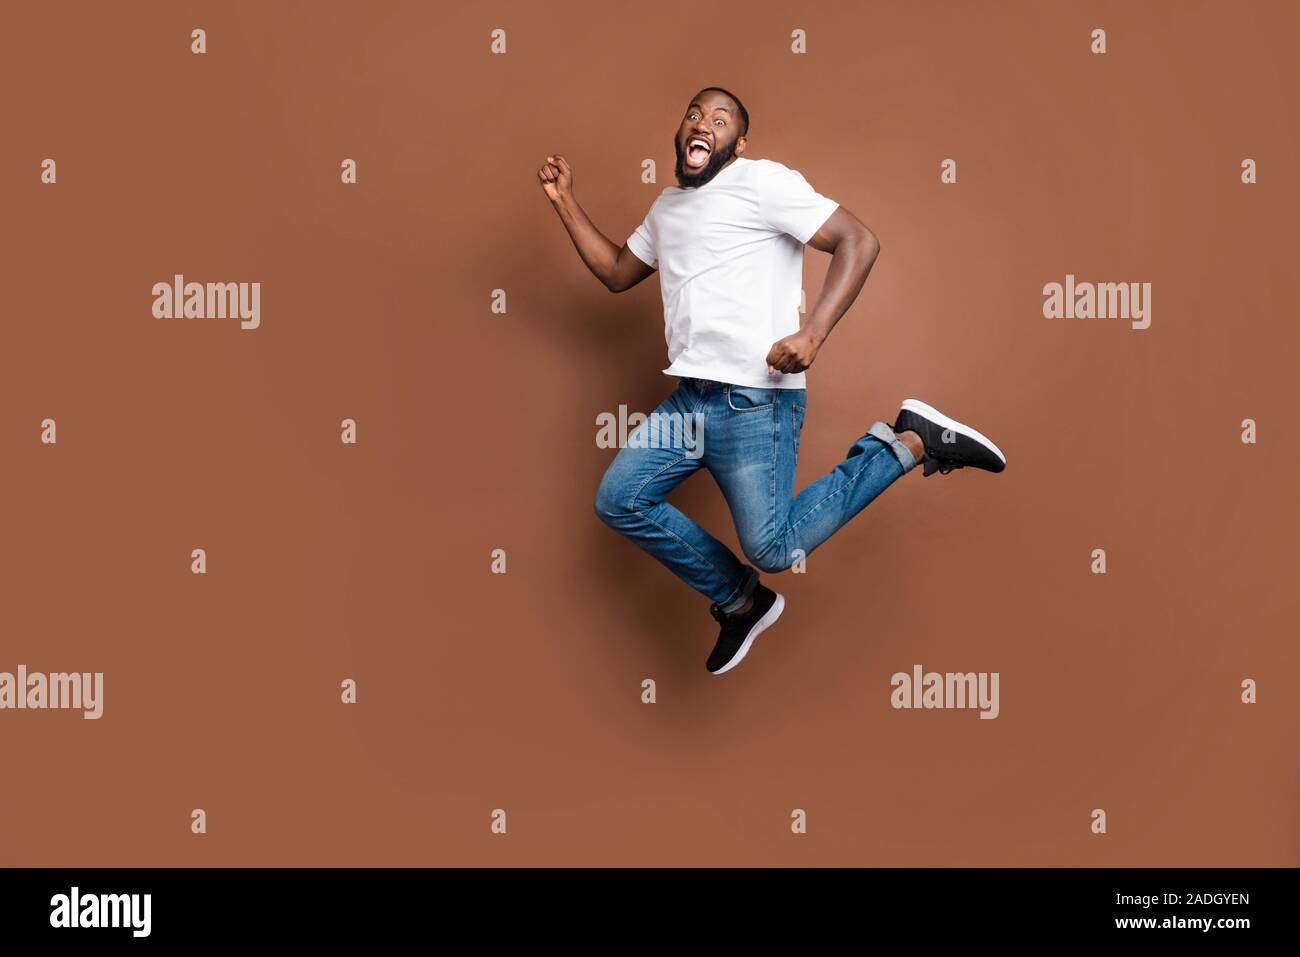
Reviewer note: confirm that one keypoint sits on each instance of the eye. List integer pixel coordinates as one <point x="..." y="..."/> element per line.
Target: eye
<point x="720" y="122"/>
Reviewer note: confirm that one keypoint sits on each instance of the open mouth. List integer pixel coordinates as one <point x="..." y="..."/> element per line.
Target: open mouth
<point x="698" y="152"/>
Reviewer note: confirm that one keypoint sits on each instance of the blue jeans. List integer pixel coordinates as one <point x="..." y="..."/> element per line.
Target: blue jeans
<point x="749" y="440"/>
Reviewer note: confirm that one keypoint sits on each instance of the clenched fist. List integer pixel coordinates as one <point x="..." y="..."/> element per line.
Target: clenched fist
<point x="794" y="353"/>
<point x="557" y="178"/>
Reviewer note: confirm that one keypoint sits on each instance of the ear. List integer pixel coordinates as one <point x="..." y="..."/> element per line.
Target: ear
<point x="740" y="146"/>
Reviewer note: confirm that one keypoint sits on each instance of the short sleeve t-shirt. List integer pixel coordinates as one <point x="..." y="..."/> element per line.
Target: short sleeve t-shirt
<point x="730" y="261"/>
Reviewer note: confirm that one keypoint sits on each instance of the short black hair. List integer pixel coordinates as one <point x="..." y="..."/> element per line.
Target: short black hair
<point x="744" y="113"/>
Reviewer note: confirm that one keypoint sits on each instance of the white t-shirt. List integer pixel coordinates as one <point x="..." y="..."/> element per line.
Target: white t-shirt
<point x="730" y="261"/>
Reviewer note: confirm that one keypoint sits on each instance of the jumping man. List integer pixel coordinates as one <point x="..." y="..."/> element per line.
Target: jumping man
<point x="728" y="243"/>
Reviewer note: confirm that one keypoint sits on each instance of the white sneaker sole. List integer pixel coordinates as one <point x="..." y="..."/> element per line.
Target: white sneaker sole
<point x="760" y="626"/>
<point x="934" y="415"/>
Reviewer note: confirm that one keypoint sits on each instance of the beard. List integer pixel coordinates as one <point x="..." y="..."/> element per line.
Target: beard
<point x="719" y="158"/>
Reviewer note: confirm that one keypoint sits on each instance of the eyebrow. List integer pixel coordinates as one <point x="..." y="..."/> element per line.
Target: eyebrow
<point x="715" y="109"/>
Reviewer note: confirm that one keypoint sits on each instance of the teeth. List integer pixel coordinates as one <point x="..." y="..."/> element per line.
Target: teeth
<point x="697" y="142"/>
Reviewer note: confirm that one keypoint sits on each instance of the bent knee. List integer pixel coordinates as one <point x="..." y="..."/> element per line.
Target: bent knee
<point x="768" y="559"/>
<point x="612" y="501"/>
<point x="605" y="506"/>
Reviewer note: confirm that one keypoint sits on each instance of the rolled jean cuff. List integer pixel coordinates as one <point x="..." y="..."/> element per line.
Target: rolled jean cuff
<point x="743" y="592"/>
<point x="901" y="451"/>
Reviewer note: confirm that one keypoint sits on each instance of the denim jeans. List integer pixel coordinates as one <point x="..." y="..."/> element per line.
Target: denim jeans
<point x="748" y="439"/>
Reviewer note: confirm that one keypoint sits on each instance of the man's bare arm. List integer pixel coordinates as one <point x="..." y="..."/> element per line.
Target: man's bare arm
<point x="853" y="248"/>
<point x="616" y="266"/>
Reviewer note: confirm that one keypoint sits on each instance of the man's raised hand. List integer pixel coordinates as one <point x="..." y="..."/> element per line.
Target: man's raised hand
<point x="556" y="178"/>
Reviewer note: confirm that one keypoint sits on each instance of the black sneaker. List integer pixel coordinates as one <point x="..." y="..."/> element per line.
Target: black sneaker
<point x="948" y="443"/>
<point x="739" y="631"/>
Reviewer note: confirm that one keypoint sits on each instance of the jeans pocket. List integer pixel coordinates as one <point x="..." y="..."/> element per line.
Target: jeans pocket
<point x="745" y="399"/>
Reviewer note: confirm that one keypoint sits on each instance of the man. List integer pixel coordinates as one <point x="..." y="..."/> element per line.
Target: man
<point x="728" y="243"/>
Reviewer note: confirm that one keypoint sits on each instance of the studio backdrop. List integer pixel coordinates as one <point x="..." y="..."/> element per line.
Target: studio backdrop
<point x="300" y="409"/>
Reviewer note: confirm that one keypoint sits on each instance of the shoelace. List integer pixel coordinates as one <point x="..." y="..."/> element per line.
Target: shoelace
<point x="941" y="465"/>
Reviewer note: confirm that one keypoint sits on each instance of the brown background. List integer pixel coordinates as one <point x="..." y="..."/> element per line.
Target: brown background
<point x="479" y="691"/>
